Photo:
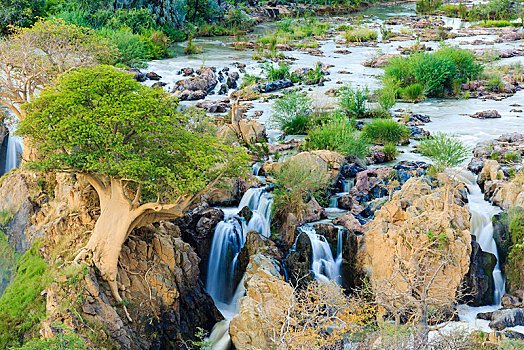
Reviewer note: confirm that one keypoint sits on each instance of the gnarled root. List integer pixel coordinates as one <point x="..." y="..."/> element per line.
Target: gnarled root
<point x="114" y="290"/>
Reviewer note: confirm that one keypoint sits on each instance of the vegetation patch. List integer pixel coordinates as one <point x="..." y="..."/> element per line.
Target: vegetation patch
<point x="386" y="131"/>
<point x="360" y="35"/>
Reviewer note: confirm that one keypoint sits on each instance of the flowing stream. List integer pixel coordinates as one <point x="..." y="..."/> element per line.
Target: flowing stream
<point x="14" y="151"/>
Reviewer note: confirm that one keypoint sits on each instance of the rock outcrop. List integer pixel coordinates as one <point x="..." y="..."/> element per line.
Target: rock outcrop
<point x="198" y="87"/>
<point x="266" y="294"/>
<point x="478" y="282"/>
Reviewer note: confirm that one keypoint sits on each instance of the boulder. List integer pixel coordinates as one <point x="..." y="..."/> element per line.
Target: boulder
<point x="507" y="318"/>
<point x="264" y="288"/>
<point x="510" y="301"/>
<point x="153" y="76"/>
<point x="478" y="282"/>
<point x="137" y="75"/>
<point x="350" y="223"/>
<point x="299" y="261"/>
<point x="380" y="61"/>
<point x="196" y="86"/>
<point x="486" y="115"/>
<point x="270" y="86"/>
<point x="502" y="237"/>
<point x="257" y="244"/>
<point x="329" y="162"/>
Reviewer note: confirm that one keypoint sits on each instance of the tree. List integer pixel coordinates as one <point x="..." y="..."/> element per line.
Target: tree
<point x="20" y="13"/>
<point x="145" y="159"/>
<point x="31" y="58"/>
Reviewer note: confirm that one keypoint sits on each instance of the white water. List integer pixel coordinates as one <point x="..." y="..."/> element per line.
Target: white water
<point x="228" y="240"/>
<point x="324" y="266"/>
<point x="14" y="150"/>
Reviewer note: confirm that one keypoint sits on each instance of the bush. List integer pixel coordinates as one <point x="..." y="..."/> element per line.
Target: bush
<point x="250" y="80"/>
<point x="437" y="72"/>
<point x="65" y="339"/>
<point x="390" y="150"/>
<point x="386" y="98"/>
<point x="156" y="44"/>
<point x="353" y="101"/>
<point x="414" y="92"/>
<point x="276" y="73"/>
<point x="428" y="6"/>
<point x="295" y="182"/>
<point x="360" y="35"/>
<point x="444" y="150"/>
<point x="131" y="48"/>
<point x="191" y="49"/>
<point x="20" y="13"/>
<point x="291" y="113"/>
<point x="338" y="135"/>
<point x="386" y="131"/>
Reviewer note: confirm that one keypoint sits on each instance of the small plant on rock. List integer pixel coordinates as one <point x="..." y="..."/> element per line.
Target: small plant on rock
<point x="384" y="131"/>
<point x="291" y="113"/>
<point x="353" y="101"/>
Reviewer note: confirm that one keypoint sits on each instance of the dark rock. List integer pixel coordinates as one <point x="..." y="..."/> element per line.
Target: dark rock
<point x="299" y="261"/>
<point x="197" y="228"/>
<point x="159" y="84"/>
<point x="232" y="80"/>
<point x="502" y="237"/>
<point x="510" y="301"/>
<point x="345" y="202"/>
<point x="274" y="85"/>
<point x="223" y="89"/>
<point x="198" y="87"/>
<point x="476" y="165"/>
<point x="486" y="114"/>
<point x="507" y="318"/>
<point x="350" y="170"/>
<point x="478" y="282"/>
<point x="485" y="315"/>
<point x="418" y="133"/>
<point x="138" y="75"/>
<point x="246" y="213"/>
<point x="18" y="227"/>
<point x="153" y="76"/>
<point x="186" y="72"/>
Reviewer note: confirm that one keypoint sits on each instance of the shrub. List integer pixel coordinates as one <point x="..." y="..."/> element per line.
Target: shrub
<point x="465" y="63"/>
<point x="131" y="49"/>
<point x="276" y="73"/>
<point x="191" y="48"/>
<point x="386" y="98"/>
<point x="156" y="44"/>
<point x="360" y="35"/>
<point x="65" y="339"/>
<point x="338" y="135"/>
<point x="291" y="113"/>
<point x="390" y="150"/>
<point x="352" y="101"/>
<point x="428" y="6"/>
<point x="414" y="92"/>
<point x="444" y="150"/>
<point x="295" y="182"/>
<point x="384" y="131"/>
<point x="250" y="80"/>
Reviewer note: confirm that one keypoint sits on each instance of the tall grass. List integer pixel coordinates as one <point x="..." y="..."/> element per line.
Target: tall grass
<point x="281" y="71"/>
<point x="353" y="100"/>
<point x="386" y="131"/>
<point x="338" y="135"/>
<point x="360" y="35"/>
<point x="291" y="113"/>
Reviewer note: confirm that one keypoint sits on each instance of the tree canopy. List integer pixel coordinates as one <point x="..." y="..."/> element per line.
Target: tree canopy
<point x="101" y="121"/>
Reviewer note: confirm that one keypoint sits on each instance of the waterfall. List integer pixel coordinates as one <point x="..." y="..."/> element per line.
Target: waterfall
<point x="324" y="266"/>
<point x="228" y="239"/>
<point x="14" y="150"/>
<point x="482" y="228"/>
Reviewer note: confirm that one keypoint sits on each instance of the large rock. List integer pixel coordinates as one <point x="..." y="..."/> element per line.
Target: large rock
<point x="266" y="289"/>
<point x="299" y="261"/>
<point x="203" y="83"/>
<point x="486" y="115"/>
<point x="329" y="162"/>
<point x="257" y="244"/>
<point x="478" y="282"/>
<point x="415" y="216"/>
<point x="507" y="318"/>
<point x="502" y="237"/>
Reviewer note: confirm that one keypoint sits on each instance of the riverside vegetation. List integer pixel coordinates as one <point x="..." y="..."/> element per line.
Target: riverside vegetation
<point x="337" y="220"/>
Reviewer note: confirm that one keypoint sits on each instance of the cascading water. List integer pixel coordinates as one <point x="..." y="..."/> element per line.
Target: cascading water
<point x="228" y="240"/>
<point x="14" y="150"/>
<point x="324" y="266"/>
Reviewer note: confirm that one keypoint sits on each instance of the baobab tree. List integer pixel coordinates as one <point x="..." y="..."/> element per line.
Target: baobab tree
<point x="147" y="161"/>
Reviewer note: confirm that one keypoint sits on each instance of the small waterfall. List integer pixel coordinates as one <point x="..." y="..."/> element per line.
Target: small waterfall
<point x="228" y="240"/>
<point x="347" y="185"/>
<point x="324" y="266"/>
<point x="482" y="228"/>
<point x="14" y="150"/>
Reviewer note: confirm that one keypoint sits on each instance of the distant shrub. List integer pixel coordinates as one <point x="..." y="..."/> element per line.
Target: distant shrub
<point x="386" y="131"/>
<point x="281" y="71"/>
<point x="250" y="80"/>
<point x="338" y="135"/>
<point x="353" y="101"/>
<point x="360" y="35"/>
<point x="156" y="44"/>
<point x="386" y="98"/>
<point x="191" y="48"/>
<point x="291" y="113"/>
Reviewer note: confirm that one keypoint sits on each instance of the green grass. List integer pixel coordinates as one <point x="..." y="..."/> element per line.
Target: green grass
<point x="291" y="113"/>
<point x="338" y="135"/>
<point x="386" y="131"/>
<point x="289" y="30"/>
<point x="21" y="306"/>
<point x="360" y="35"/>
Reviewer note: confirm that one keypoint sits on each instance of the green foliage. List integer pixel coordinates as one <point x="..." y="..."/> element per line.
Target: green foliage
<point x="22" y="307"/>
<point x="428" y="6"/>
<point x="131" y="48"/>
<point x="384" y="131"/>
<point x="8" y="256"/>
<point x="338" y="135"/>
<point x="289" y="30"/>
<point x="353" y="101"/>
<point x="156" y="44"/>
<point x="516" y="227"/>
<point x="121" y="128"/>
<point x="291" y="113"/>
<point x="390" y="150"/>
<point x="386" y="98"/>
<point x="20" y="13"/>
<point x="414" y="92"/>
<point x="296" y="182"/>
<point x="437" y="72"/>
<point x="191" y="49"/>
<point x="66" y="339"/>
<point x="513" y="268"/>
<point x="360" y="35"/>
<point x="281" y="71"/>
<point x="444" y="150"/>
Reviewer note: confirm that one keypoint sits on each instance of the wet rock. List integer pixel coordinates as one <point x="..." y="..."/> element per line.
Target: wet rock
<point x="214" y="106"/>
<point x="232" y="80"/>
<point x="197" y="87"/>
<point x="351" y="170"/>
<point x="299" y="261"/>
<point x="486" y="114"/>
<point x="246" y="213"/>
<point x="511" y="302"/>
<point x="274" y="85"/>
<point x="349" y="222"/>
<point x="257" y="244"/>
<point x="380" y="61"/>
<point x="502" y="237"/>
<point x="510" y="37"/>
<point x="342" y="52"/>
<point x="159" y="84"/>
<point x="478" y="282"/>
<point x="186" y="71"/>
<point x="507" y="318"/>
<point x="223" y="89"/>
<point x="476" y="165"/>
<point x="418" y="133"/>
<point x="138" y="75"/>
<point x="345" y="202"/>
<point x="153" y="76"/>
